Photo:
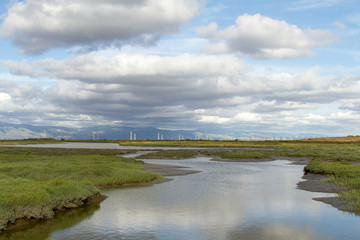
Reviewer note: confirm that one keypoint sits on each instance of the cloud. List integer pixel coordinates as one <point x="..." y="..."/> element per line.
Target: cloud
<point x="214" y="119"/>
<point x="22" y="102"/>
<point x="36" y="26"/>
<point x="136" y="88"/>
<point x="311" y="4"/>
<point x="130" y="69"/>
<point x="278" y="106"/>
<point x="4" y="97"/>
<point x="340" y="25"/>
<point x="247" y="117"/>
<point x="207" y="31"/>
<point x="27" y="103"/>
<point x="350" y="105"/>
<point x="177" y="91"/>
<point x="185" y="78"/>
<point x="262" y="37"/>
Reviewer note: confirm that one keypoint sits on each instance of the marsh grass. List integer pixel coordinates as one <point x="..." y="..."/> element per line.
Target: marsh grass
<point x="194" y="143"/>
<point x="249" y="154"/>
<point x="30" y="141"/>
<point x="339" y="152"/>
<point x="43" y="229"/>
<point x="34" y="186"/>
<point x="92" y="140"/>
<point x="181" y="154"/>
<point x="345" y="175"/>
<point x="316" y="150"/>
<point x="178" y="154"/>
<point x="60" y="152"/>
<point x="348" y="139"/>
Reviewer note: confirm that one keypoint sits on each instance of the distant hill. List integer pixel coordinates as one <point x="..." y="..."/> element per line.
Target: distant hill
<point x="23" y="131"/>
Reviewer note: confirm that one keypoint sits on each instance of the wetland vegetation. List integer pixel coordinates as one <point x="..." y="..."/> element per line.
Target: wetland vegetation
<point x="36" y="182"/>
<point x="345" y="175"/>
<point x="30" y="141"/>
<point x="177" y="154"/>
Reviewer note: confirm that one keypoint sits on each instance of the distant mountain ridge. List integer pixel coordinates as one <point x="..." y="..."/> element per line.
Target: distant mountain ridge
<point x="24" y="131"/>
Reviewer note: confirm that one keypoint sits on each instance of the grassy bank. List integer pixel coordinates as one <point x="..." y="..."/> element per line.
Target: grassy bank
<point x="36" y="185"/>
<point x="92" y="140"/>
<point x="52" y="140"/>
<point x="30" y="141"/>
<point x="238" y="143"/>
<point x="193" y="143"/>
<point x="315" y="150"/>
<point x="342" y="174"/>
<point x="181" y="154"/>
<point x="61" y="152"/>
<point x="178" y="154"/>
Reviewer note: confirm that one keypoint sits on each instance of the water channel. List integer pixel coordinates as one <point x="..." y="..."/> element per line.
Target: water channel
<point x="226" y="200"/>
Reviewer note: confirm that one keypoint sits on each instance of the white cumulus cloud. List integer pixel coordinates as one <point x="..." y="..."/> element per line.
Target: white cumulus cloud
<point x="258" y="36"/>
<point x="183" y="90"/>
<point x="36" y="26"/>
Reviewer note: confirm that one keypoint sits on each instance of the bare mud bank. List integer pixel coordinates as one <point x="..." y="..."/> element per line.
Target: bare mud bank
<point x="315" y="183"/>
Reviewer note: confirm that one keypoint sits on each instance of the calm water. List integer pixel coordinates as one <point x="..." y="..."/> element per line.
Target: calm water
<point x="224" y="201"/>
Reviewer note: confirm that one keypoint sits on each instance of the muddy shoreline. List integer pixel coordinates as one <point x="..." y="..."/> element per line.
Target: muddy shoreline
<point x="315" y="183"/>
<point x="167" y="171"/>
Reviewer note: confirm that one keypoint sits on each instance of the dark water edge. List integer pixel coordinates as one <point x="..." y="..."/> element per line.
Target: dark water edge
<point x="315" y="183"/>
<point x="42" y="229"/>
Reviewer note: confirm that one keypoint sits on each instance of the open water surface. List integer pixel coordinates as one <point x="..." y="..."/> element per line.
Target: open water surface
<point x="227" y="200"/>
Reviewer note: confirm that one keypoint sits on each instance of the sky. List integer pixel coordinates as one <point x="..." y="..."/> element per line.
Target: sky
<point x="269" y="66"/>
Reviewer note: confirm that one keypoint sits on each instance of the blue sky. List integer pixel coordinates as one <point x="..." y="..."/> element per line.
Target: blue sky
<point x="272" y="66"/>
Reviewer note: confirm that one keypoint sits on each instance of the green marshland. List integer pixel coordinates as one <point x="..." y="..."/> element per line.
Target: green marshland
<point x="35" y="183"/>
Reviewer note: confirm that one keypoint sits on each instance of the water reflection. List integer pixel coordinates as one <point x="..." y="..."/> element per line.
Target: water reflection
<point x="223" y="201"/>
<point x="43" y="229"/>
<point x="274" y="232"/>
